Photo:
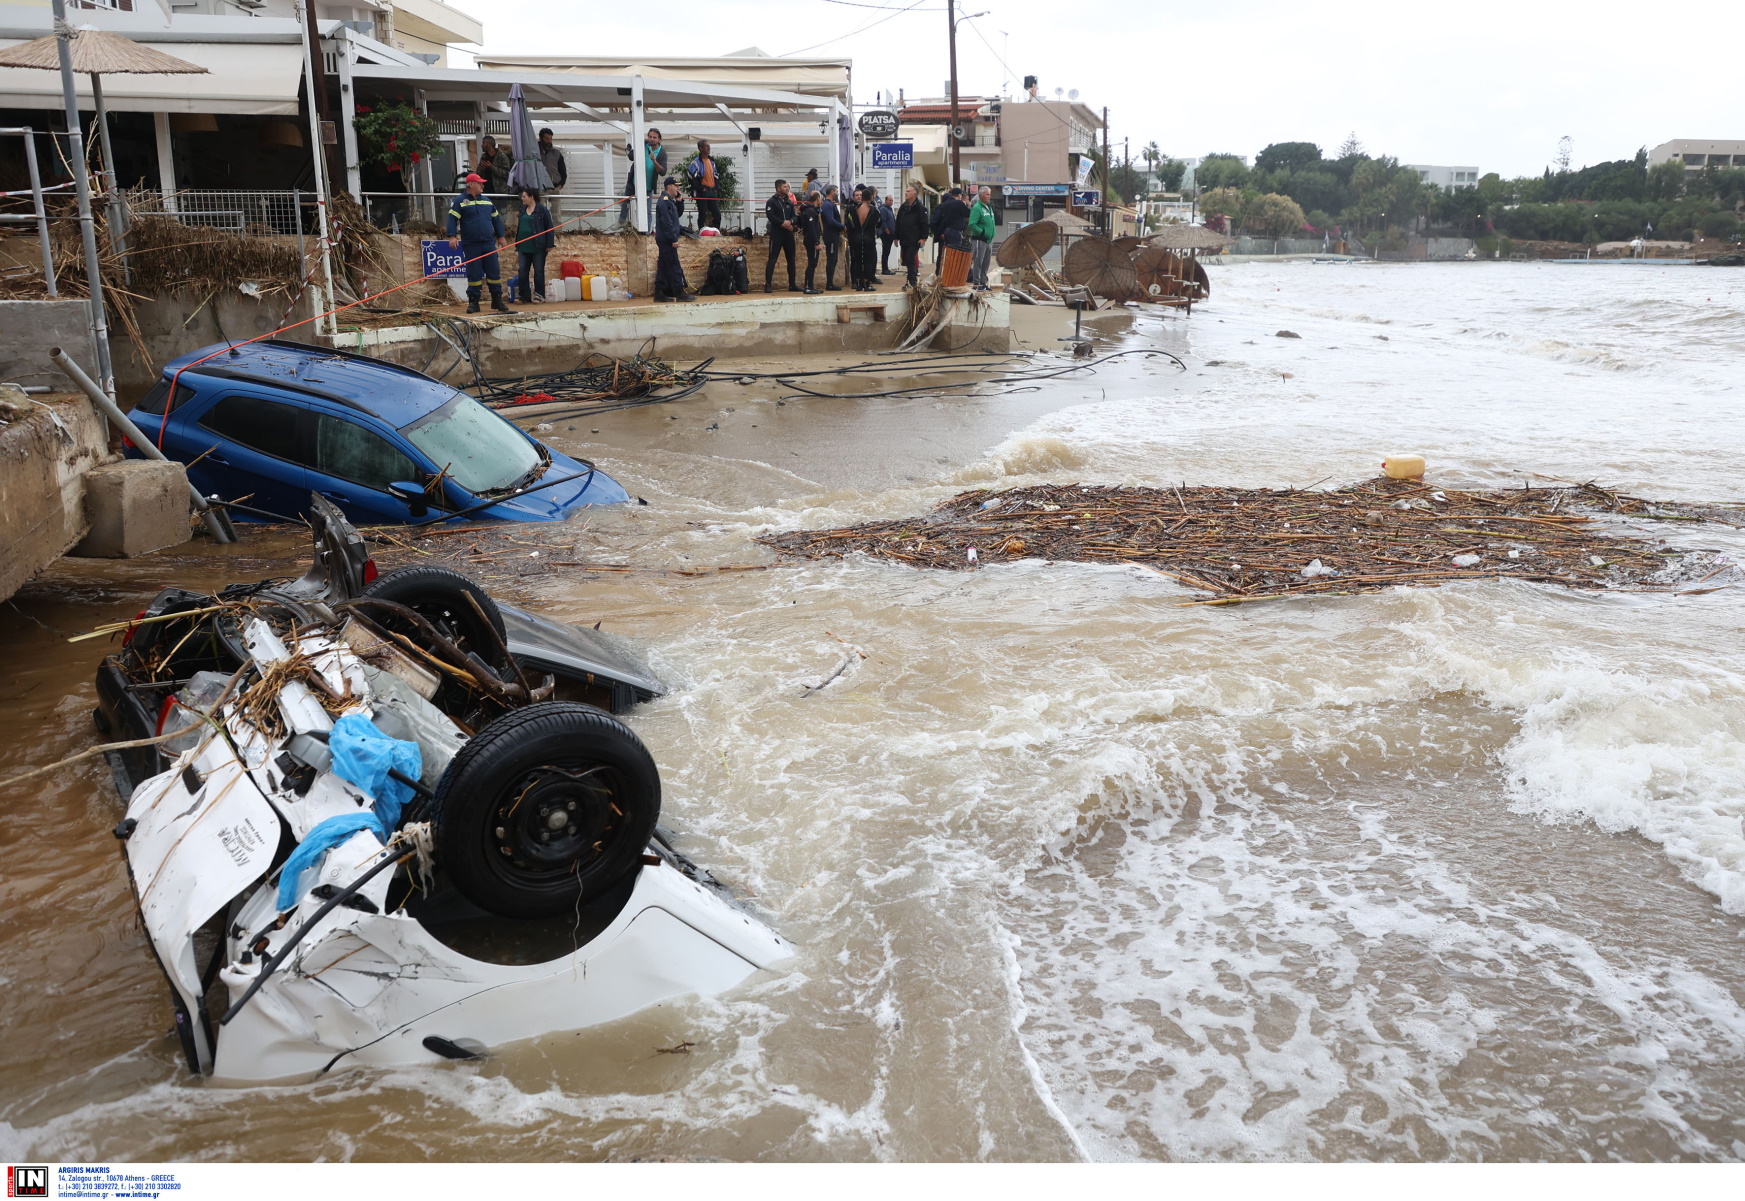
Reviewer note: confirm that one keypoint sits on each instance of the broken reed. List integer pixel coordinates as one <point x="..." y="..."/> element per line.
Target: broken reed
<point x="1245" y="543"/>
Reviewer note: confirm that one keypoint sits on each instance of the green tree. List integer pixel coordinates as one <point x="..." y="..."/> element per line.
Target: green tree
<point x="1287" y="156"/>
<point x="1275" y="216"/>
<point x="1225" y="202"/>
<point x="1665" y="181"/>
<point x="396" y="136"/>
<point x="1221" y="171"/>
<point x="1170" y="173"/>
<point x="725" y="181"/>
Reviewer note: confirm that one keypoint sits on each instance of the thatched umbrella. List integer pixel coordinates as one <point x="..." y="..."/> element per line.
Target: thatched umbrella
<point x="1102" y="267"/>
<point x="97" y="52"/>
<point x="1188" y="237"/>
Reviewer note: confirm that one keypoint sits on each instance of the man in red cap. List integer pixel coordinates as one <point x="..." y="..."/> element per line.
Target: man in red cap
<point x="475" y="226"/>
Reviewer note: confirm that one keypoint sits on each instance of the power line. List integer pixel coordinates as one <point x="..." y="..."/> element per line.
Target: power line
<point x="880" y="21"/>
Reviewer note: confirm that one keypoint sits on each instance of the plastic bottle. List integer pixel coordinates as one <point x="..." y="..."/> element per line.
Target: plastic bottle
<point x="1403" y="467"/>
<point x="597" y="288"/>
<point x="572" y="287"/>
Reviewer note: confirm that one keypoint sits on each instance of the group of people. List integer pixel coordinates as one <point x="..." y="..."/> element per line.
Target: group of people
<point x="819" y="219"/>
<point x="822" y="221"/>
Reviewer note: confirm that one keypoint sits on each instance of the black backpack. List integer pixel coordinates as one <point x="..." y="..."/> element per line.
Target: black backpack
<point x="719" y="279"/>
<point x="741" y="276"/>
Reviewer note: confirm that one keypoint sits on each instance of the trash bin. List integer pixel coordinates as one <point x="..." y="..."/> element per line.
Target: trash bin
<point x="954" y="268"/>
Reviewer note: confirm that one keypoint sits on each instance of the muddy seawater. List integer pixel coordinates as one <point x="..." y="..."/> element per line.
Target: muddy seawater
<point x="1076" y="870"/>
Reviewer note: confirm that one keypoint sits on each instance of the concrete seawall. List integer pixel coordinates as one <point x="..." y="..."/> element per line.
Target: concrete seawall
<point x="550" y="338"/>
<point x="43" y="465"/>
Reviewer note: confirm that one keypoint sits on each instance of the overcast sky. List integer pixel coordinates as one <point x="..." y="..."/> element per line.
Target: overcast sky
<point x="1493" y="86"/>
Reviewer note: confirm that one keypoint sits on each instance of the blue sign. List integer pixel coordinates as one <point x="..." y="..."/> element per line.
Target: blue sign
<point x="893" y="156"/>
<point x="442" y="262"/>
<point x="1035" y="189"/>
<point x="1090" y="199"/>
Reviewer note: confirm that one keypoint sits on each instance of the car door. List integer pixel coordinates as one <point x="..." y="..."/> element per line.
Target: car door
<point x="249" y="449"/>
<point x="354" y="464"/>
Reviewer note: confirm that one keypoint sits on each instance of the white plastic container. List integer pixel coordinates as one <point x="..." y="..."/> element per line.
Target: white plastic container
<point x="572" y="288"/>
<point x="597" y="287"/>
<point x="1403" y="467"/>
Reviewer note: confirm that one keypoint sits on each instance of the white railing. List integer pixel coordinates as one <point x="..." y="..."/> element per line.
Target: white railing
<point x="279" y="212"/>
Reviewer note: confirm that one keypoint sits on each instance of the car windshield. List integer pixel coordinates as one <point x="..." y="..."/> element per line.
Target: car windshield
<point x="478" y="449"/>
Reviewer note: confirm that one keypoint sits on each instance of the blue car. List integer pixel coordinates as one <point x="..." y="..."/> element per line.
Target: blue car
<point x="269" y="423"/>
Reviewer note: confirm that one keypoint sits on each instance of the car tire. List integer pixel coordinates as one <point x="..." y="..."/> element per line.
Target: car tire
<point x="439" y="596"/>
<point x="544" y="808"/>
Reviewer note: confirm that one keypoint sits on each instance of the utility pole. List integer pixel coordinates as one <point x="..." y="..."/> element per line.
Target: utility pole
<point x="1108" y="226"/>
<point x="99" y="319"/>
<point x="956" y="150"/>
<point x="317" y="62"/>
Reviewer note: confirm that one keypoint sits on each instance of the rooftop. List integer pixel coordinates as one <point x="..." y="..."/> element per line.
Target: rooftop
<point x="398" y="395"/>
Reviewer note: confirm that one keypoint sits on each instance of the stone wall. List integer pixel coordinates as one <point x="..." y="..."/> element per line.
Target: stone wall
<point x="631" y="257"/>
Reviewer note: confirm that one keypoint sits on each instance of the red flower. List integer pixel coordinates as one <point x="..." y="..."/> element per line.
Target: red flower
<point x="393" y="166"/>
<point x="416" y="157"/>
<point x="363" y="108"/>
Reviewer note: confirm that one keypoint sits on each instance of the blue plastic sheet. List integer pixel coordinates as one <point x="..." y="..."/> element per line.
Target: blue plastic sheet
<point x="363" y="756"/>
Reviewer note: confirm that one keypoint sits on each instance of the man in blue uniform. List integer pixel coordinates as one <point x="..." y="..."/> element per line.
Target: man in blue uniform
<point x="475" y="226"/>
<point x="669" y="274"/>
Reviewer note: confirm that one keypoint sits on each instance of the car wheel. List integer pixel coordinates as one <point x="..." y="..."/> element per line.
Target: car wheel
<point x="440" y="597"/>
<point x="545" y="807"/>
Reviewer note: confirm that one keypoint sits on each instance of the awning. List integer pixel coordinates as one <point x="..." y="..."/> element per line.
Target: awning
<point x="258" y="78"/>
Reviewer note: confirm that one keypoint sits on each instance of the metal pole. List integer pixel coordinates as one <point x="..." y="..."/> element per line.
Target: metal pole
<point x="297" y="216"/>
<point x="951" y="133"/>
<point x="638" y="154"/>
<point x="82" y="187"/>
<point x="107" y="406"/>
<point x="317" y="159"/>
<point x="48" y="257"/>
<point x="117" y="206"/>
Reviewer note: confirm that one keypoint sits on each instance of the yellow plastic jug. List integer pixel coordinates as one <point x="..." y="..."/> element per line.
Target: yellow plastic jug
<point x="1403" y="467"/>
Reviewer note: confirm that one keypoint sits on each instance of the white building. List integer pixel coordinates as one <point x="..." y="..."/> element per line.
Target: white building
<point x="1446" y="177"/>
<point x="1698" y="153"/>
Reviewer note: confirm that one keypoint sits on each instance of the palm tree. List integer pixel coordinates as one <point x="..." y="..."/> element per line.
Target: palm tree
<point x="1152" y="155"/>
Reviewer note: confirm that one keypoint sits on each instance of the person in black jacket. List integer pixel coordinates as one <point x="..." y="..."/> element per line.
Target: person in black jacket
<point x="779" y="211"/>
<point x="950" y="220"/>
<point x="812" y="235"/>
<point x="854" y="233"/>
<point x="911" y="231"/>
<point x="832" y="217"/>
<point x="669" y="274"/>
<point x="530" y="228"/>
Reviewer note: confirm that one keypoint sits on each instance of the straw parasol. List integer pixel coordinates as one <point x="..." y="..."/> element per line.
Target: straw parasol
<point x="1101" y="266"/>
<point x="1026" y="247"/>
<point x="97" y="52"/>
<point x="1188" y="237"/>
<point x="1159" y="271"/>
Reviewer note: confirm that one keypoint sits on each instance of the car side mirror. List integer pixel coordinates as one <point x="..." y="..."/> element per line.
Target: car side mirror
<point x="412" y="494"/>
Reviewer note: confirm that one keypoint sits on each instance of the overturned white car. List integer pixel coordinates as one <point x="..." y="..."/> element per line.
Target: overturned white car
<point x="380" y="838"/>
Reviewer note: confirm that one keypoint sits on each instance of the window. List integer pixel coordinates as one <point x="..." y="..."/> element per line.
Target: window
<point x="263" y="425"/>
<point x="351" y="452"/>
<point x="153" y="401"/>
<point x="479" y="449"/>
<point x="1695" y="160"/>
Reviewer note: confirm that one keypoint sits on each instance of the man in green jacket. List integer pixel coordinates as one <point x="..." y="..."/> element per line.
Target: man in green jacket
<point x="981" y="236"/>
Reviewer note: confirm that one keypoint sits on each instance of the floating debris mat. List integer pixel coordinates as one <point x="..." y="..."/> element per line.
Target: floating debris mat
<point x="1245" y="544"/>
